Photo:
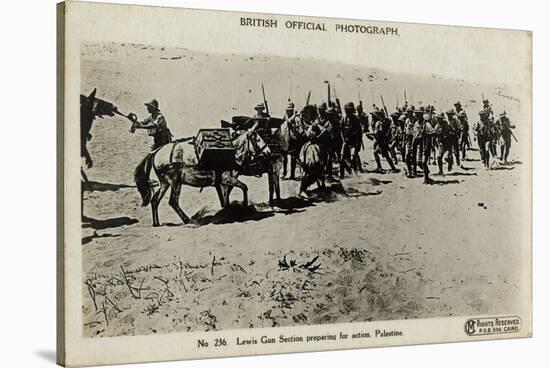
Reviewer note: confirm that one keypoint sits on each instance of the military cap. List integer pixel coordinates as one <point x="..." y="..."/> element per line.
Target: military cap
<point x="485" y="101"/>
<point x="331" y="110"/>
<point x="410" y="109"/>
<point x="483" y="112"/>
<point x="441" y="115"/>
<point x="458" y="104"/>
<point x="450" y="112"/>
<point x="349" y="106"/>
<point x="290" y="106"/>
<point x="462" y="114"/>
<point x="153" y="103"/>
<point x="503" y="113"/>
<point x="402" y="118"/>
<point x="323" y="106"/>
<point x="395" y="114"/>
<point x="260" y="106"/>
<point x="359" y="107"/>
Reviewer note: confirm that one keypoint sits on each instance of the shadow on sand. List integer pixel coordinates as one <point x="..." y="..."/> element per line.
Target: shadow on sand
<point x="91" y="186"/>
<point x="235" y="212"/>
<point x="88" y="222"/>
<point x="95" y="235"/>
<point x="457" y="173"/>
<point x="444" y="182"/>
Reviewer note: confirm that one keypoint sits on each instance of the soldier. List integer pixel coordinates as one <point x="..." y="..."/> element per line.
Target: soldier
<point x="459" y="108"/>
<point x="325" y="136"/>
<point x="351" y="134"/>
<point x="409" y="143"/>
<point x="454" y="137"/>
<point x="505" y="136"/>
<point x="336" y="132"/>
<point x="260" y="111"/>
<point x="443" y="132"/>
<point x="417" y="141"/>
<point x="484" y="133"/>
<point x="464" y="137"/>
<point x="395" y="136"/>
<point x="296" y="131"/>
<point x="487" y="108"/>
<point x="363" y="118"/>
<point x="427" y="134"/>
<point x="155" y="124"/>
<point x="380" y="135"/>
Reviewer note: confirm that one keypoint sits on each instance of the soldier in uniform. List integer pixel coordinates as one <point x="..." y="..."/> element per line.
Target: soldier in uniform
<point x="454" y="137"/>
<point x="487" y="108"/>
<point x="427" y="134"/>
<point x="464" y="138"/>
<point x="380" y="135"/>
<point x="443" y="132"/>
<point x="363" y="118"/>
<point x="351" y="135"/>
<point x="483" y="131"/>
<point x="395" y="136"/>
<point x="260" y="111"/>
<point x="409" y="143"/>
<point x="155" y="124"/>
<point x="294" y="125"/>
<point x="505" y="136"/>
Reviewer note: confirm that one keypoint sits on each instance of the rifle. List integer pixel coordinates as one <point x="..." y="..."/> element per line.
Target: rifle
<point x="405" y="94"/>
<point x="265" y="101"/>
<point x="328" y="93"/>
<point x="514" y="136"/>
<point x="384" y="105"/>
<point x="290" y="92"/>
<point x="337" y="101"/>
<point x="308" y="96"/>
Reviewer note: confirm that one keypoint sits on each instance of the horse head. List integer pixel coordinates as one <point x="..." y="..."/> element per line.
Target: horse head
<point x="249" y="146"/>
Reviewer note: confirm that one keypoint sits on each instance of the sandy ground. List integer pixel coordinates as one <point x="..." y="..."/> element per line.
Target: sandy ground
<point x="372" y="247"/>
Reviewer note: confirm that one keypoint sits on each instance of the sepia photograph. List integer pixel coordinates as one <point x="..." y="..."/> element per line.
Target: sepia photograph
<point x="225" y="191"/>
<point x="250" y="183"/>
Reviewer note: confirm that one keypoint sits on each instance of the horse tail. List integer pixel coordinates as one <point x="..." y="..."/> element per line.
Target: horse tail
<point x="141" y="178"/>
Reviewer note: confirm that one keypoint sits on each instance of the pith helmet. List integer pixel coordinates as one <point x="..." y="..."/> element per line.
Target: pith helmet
<point x="323" y="106"/>
<point x="331" y="110"/>
<point x="260" y="106"/>
<point x="153" y="103"/>
<point x="462" y="114"/>
<point x="458" y="104"/>
<point x="290" y="107"/>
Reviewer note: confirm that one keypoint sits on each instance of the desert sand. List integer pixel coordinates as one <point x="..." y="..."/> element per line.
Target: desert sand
<point x="371" y="247"/>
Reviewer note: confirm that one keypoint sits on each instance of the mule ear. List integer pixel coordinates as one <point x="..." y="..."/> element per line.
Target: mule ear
<point x="92" y="95"/>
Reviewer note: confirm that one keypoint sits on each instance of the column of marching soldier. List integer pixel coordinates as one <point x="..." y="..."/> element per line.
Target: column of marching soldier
<point x="421" y="136"/>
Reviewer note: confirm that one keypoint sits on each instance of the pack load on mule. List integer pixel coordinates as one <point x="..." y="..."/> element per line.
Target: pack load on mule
<point x="215" y="149"/>
<point x="265" y="127"/>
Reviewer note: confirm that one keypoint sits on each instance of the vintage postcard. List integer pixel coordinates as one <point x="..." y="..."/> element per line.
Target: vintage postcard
<point x="238" y="183"/>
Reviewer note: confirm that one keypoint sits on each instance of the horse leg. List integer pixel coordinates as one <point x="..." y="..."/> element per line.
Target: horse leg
<point x="230" y="182"/>
<point x="270" y="185"/>
<point x="174" y="202"/>
<point x="164" y="185"/>
<point x="221" y="194"/>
